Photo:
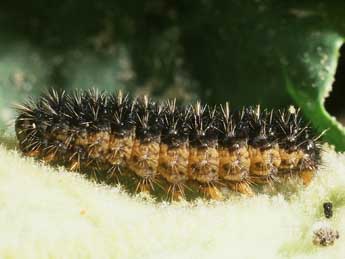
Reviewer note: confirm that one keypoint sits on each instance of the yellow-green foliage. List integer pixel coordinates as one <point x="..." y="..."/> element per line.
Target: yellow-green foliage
<point x="48" y="213"/>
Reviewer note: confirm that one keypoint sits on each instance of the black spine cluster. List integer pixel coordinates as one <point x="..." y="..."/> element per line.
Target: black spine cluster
<point x="174" y="124"/>
<point x="201" y="125"/>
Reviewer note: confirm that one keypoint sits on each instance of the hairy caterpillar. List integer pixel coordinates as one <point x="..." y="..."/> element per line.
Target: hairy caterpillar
<point x="207" y="146"/>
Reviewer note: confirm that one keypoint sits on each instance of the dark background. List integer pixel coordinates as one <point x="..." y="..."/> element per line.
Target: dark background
<point x="213" y="50"/>
<point x="335" y="103"/>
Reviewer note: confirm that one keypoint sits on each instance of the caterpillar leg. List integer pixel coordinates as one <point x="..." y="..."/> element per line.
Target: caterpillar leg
<point x="210" y="191"/>
<point x="176" y="192"/>
<point x="33" y="153"/>
<point x="75" y="160"/>
<point x="113" y="172"/>
<point x="52" y="153"/>
<point x="143" y="187"/>
<point x="75" y="166"/>
<point x="306" y="176"/>
<point x="49" y="158"/>
<point x="242" y="187"/>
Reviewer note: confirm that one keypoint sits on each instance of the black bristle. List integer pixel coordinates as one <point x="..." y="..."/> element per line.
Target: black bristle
<point x="290" y="128"/>
<point x="120" y="110"/>
<point x="261" y="127"/>
<point x="174" y="124"/>
<point x="202" y="125"/>
<point x="148" y="118"/>
<point x="233" y="132"/>
<point x="95" y="110"/>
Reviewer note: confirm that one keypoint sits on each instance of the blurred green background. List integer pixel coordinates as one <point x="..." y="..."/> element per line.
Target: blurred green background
<point x="268" y="52"/>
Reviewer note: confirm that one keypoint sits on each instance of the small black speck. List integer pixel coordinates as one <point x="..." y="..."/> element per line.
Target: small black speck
<point x="328" y="209"/>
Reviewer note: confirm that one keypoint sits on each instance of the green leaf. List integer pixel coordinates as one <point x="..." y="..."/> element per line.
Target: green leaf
<point x="310" y="92"/>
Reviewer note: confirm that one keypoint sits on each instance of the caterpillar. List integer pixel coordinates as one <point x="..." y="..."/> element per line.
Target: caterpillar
<point x="210" y="147"/>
